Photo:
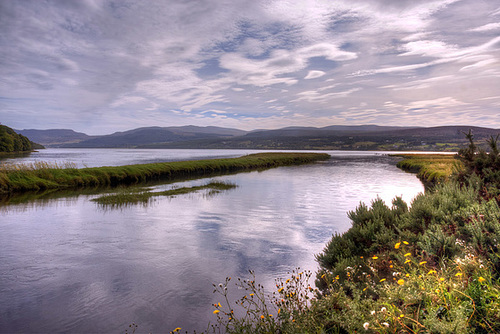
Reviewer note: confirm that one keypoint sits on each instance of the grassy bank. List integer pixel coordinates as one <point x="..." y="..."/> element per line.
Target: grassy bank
<point x="42" y="176"/>
<point x="430" y="168"/>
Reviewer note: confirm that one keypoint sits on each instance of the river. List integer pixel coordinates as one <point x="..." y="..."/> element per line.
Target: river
<point x="69" y="265"/>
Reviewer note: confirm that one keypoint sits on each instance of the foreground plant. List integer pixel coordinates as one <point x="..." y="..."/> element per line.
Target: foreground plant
<point x="431" y="268"/>
<point x="258" y="311"/>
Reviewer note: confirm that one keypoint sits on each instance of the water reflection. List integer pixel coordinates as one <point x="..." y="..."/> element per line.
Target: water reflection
<point x="67" y="266"/>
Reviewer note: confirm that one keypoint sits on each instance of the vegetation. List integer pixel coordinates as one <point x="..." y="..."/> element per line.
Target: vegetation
<point x="43" y="176"/>
<point x="134" y="197"/>
<point x="431" y="169"/>
<point x="10" y="141"/>
<point x="431" y="268"/>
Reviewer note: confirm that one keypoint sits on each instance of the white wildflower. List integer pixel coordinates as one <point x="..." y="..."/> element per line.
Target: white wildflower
<point x="366" y="325"/>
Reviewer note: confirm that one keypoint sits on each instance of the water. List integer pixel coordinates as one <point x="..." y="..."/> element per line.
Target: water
<point x="69" y="265"/>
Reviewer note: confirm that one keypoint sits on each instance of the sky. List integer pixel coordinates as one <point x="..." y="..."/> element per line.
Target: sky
<point x="100" y="66"/>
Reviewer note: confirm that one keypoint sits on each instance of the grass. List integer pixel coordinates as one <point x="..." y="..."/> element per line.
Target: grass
<point x="43" y="176"/>
<point x="430" y="168"/>
<point x="135" y="197"/>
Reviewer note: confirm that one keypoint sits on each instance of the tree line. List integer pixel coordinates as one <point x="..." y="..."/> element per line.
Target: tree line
<point x="10" y="141"/>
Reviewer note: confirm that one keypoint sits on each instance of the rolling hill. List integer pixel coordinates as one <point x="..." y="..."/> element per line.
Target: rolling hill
<point x="336" y="137"/>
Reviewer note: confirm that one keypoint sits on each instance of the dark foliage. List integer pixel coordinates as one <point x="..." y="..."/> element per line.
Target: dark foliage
<point x="10" y="141"/>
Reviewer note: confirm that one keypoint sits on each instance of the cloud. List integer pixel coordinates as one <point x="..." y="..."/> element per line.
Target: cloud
<point x="280" y="66"/>
<point x="428" y="48"/>
<point x="487" y="27"/>
<point x="102" y="66"/>
<point x="314" y="96"/>
<point x="314" y="74"/>
<point x="441" y="103"/>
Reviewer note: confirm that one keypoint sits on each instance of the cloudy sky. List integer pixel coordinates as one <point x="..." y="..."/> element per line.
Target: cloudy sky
<point x="102" y="66"/>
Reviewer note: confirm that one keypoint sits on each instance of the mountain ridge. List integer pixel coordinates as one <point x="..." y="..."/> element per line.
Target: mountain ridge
<point x="357" y="137"/>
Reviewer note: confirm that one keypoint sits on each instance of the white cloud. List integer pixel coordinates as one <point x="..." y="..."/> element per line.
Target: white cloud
<point x="487" y="27"/>
<point x="440" y="103"/>
<point x="479" y="64"/>
<point x="314" y="74"/>
<point x="429" y="48"/>
<point x="279" y="67"/>
<point x="314" y="96"/>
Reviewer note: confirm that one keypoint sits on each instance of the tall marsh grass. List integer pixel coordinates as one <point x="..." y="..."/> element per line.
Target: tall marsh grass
<point x="430" y="168"/>
<point x="42" y="176"/>
<point x="34" y="166"/>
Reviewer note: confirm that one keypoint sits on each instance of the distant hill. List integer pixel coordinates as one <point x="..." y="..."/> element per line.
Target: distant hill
<point x="54" y="137"/>
<point x="10" y="141"/>
<point x="371" y="137"/>
<point x="334" y="130"/>
<point x="336" y="137"/>
<point x="156" y="135"/>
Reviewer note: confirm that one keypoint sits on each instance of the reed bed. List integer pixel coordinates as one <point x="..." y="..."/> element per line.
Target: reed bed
<point x="135" y="197"/>
<point x="430" y="168"/>
<point x="37" y="165"/>
<point x="43" y="176"/>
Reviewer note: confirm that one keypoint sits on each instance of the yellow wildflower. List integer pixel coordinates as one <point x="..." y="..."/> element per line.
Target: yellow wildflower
<point x="406" y="242"/>
<point x="423" y="262"/>
<point x="177" y="329"/>
<point x="383" y="279"/>
<point x="481" y="279"/>
<point x="270" y="315"/>
<point x="397" y="245"/>
<point x="407" y="261"/>
<point x="262" y="317"/>
<point x="432" y="271"/>
<point x="441" y="279"/>
<point x="458" y="274"/>
<point x="219" y="305"/>
<point x="408" y="254"/>
<point x="401" y="282"/>
<point x="374" y="257"/>
<point x="401" y="315"/>
<point x="216" y="311"/>
<point x="337" y="277"/>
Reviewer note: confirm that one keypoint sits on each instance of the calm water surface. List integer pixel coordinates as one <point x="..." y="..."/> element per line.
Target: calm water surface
<point x="70" y="265"/>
